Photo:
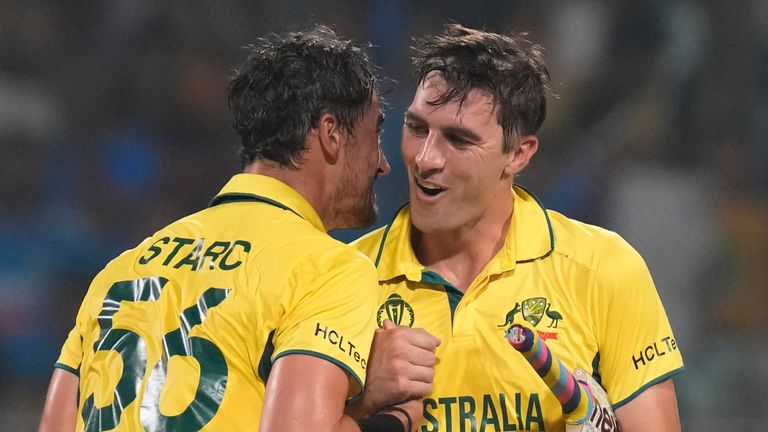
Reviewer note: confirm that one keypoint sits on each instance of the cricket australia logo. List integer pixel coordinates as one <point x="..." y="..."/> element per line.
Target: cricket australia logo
<point x="533" y="310"/>
<point x="396" y="310"/>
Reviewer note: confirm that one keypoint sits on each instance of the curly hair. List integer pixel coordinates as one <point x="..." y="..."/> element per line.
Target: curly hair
<point x="510" y="68"/>
<point x="287" y="82"/>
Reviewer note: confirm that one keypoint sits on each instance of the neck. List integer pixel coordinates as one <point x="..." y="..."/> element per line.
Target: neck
<point x="460" y="255"/>
<point x="308" y="180"/>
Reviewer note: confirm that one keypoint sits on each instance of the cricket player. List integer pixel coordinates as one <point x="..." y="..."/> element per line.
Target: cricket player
<point x="473" y="254"/>
<point x="247" y="314"/>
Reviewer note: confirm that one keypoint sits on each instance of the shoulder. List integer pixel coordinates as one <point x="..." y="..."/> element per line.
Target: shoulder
<point x="308" y="259"/>
<point x="329" y="252"/>
<point x="591" y="246"/>
<point x="327" y="268"/>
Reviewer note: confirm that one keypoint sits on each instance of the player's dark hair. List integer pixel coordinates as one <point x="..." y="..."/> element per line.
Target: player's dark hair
<point x="510" y="68"/>
<point x="288" y="81"/>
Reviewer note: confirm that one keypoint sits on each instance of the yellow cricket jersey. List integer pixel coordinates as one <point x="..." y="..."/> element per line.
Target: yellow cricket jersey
<point x="180" y="332"/>
<point x="582" y="288"/>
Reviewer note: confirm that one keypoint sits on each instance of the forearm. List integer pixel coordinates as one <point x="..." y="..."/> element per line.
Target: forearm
<point x="308" y="393"/>
<point x="60" y="410"/>
<point x="653" y="410"/>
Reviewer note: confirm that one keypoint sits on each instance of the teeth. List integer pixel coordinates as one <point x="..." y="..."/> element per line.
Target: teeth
<point x="428" y="186"/>
<point x="429" y="189"/>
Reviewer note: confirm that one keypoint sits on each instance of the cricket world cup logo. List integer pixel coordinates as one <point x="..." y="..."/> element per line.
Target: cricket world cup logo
<point x="396" y="310"/>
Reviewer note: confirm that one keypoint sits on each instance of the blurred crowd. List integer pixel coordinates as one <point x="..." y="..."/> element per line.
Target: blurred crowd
<point x="113" y="123"/>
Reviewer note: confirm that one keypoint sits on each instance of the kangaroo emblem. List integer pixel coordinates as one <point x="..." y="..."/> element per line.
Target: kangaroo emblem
<point x="510" y="318"/>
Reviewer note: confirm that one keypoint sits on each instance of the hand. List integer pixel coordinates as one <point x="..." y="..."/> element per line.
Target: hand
<point x="400" y="368"/>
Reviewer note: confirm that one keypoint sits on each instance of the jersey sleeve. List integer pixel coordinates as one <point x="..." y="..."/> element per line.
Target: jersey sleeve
<point x="330" y="313"/>
<point x="72" y="352"/>
<point x="636" y="346"/>
<point x="71" y="356"/>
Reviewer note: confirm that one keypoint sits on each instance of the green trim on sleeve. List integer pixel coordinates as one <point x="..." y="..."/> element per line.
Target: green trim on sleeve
<point x="67" y="368"/>
<point x="328" y="358"/>
<point x="664" y="377"/>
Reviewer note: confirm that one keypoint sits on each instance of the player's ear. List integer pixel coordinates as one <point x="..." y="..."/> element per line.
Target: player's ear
<point x="330" y="136"/>
<point x="520" y="153"/>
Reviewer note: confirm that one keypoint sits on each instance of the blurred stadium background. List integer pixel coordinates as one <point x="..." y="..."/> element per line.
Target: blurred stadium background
<point x="113" y="122"/>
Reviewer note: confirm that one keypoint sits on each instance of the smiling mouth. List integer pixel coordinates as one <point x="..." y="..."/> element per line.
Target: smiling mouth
<point x="430" y="190"/>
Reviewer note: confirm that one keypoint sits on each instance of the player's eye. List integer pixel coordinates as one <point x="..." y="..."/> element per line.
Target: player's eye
<point x="457" y="141"/>
<point x="416" y="129"/>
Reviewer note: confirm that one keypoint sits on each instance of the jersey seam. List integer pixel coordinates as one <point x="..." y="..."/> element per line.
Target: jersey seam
<point x="565" y="256"/>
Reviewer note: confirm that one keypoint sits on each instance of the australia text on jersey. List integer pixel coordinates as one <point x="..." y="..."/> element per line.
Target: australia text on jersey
<point x="493" y="412"/>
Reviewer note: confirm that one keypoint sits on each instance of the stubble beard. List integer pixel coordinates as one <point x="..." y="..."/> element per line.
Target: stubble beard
<point x="362" y="211"/>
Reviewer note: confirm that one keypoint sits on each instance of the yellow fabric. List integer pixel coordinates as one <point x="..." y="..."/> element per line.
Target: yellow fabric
<point x="267" y="281"/>
<point x="582" y="288"/>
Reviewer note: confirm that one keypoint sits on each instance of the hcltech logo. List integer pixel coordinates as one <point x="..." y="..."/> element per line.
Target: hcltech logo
<point x="533" y="310"/>
<point x="396" y="310"/>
